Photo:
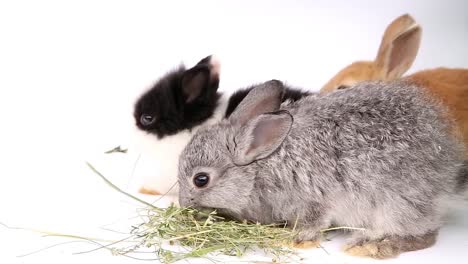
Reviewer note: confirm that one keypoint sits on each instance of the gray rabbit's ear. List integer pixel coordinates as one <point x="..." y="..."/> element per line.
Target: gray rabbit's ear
<point x="261" y="99"/>
<point x="261" y="136"/>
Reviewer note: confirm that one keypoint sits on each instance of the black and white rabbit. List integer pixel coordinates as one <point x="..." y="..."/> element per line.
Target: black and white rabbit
<point x="169" y="113"/>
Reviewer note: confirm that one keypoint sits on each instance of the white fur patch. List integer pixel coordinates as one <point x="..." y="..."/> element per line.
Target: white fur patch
<point x="215" y="66"/>
<point x="157" y="166"/>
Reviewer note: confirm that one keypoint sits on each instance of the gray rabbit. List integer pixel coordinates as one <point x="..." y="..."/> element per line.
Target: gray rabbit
<point x="379" y="156"/>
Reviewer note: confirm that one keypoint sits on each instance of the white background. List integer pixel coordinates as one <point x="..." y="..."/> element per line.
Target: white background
<point x="71" y="70"/>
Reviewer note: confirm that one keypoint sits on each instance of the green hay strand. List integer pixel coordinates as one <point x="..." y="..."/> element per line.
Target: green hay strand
<point x="200" y="233"/>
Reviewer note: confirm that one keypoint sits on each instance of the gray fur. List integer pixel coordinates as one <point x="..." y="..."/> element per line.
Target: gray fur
<point x="377" y="156"/>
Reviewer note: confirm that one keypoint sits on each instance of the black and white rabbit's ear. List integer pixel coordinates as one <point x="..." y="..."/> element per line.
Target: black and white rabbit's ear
<point x="261" y="99"/>
<point x="201" y="81"/>
<point x="260" y="137"/>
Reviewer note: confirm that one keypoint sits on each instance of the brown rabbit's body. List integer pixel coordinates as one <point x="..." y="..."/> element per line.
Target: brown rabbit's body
<point x="451" y="87"/>
<point x="396" y="54"/>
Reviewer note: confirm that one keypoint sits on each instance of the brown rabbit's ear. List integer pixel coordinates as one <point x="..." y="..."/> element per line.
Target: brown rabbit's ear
<point x="261" y="99"/>
<point x="260" y="137"/>
<point x="399" y="47"/>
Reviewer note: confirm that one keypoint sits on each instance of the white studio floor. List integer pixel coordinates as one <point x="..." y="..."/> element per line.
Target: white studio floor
<point x="86" y="206"/>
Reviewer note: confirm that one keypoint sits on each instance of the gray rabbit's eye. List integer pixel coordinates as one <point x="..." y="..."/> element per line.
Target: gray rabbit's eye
<point x="342" y="87"/>
<point x="201" y="179"/>
<point x="147" y="120"/>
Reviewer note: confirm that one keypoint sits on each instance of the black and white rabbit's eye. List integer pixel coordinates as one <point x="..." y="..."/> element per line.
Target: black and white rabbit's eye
<point x="342" y="87"/>
<point x="201" y="179"/>
<point x="147" y="120"/>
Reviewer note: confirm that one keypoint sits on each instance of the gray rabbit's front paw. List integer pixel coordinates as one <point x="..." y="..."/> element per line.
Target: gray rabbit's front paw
<point x="307" y="238"/>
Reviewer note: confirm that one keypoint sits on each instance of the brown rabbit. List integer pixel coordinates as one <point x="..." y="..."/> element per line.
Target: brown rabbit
<point x="398" y="49"/>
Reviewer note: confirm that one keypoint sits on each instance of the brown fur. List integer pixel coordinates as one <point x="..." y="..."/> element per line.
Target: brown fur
<point x="451" y="87"/>
<point x="352" y="74"/>
<point x="397" y="52"/>
<point x="398" y="48"/>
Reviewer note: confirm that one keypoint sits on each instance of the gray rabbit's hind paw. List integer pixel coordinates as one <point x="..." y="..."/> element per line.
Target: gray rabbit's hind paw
<point x="373" y="249"/>
<point x="390" y="247"/>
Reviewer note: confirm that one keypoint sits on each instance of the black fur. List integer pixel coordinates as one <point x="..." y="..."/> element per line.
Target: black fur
<point x="184" y="99"/>
<point x="462" y="180"/>
<point x="171" y="103"/>
<point x="289" y="93"/>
